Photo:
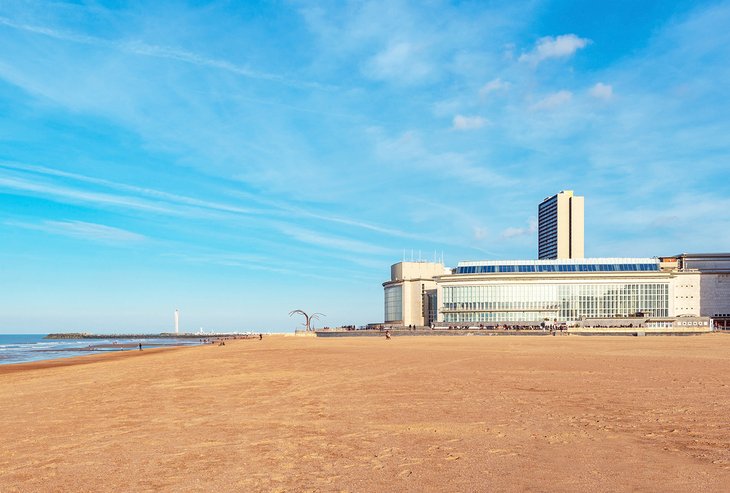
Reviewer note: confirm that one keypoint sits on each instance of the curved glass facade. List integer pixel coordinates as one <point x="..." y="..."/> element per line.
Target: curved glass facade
<point x="393" y="303"/>
<point x="565" y="302"/>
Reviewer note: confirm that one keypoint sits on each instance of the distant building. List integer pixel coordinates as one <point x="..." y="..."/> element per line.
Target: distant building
<point x="560" y="226"/>
<point x="567" y="290"/>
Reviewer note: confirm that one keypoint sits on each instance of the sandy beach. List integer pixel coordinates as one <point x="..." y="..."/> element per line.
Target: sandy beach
<point x="364" y="414"/>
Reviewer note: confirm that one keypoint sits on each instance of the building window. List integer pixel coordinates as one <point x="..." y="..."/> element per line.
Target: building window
<point x="565" y="302"/>
<point x="394" y="303"/>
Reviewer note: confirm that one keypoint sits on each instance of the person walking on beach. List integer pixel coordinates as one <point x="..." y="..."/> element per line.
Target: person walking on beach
<point x="140" y="346"/>
<point x="387" y="335"/>
<point x="261" y="336"/>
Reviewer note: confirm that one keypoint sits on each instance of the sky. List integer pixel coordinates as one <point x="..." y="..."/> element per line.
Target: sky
<point x="240" y="160"/>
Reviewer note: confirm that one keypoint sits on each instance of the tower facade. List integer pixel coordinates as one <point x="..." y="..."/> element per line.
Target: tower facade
<point x="560" y="227"/>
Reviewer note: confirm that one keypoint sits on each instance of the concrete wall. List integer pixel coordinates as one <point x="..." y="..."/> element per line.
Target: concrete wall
<point x="685" y="295"/>
<point x="577" y="234"/>
<point x="416" y="270"/>
<point x="564" y="225"/>
<point x="570" y="214"/>
<point x="415" y="278"/>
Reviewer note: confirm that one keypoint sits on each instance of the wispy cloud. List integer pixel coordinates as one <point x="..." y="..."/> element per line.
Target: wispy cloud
<point x="553" y="100"/>
<point x="333" y="242"/>
<point x="76" y="195"/>
<point x="227" y="259"/>
<point x="158" y="201"/>
<point x="247" y="262"/>
<point x="138" y="47"/>
<point x="149" y="192"/>
<point x="407" y="43"/>
<point x="409" y="149"/>
<point x="493" y="85"/>
<point x="83" y="230"/>
<point x="562" y="46"/>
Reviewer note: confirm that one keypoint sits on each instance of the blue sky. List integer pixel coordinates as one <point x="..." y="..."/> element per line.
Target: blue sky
<point x="238" y="160"/>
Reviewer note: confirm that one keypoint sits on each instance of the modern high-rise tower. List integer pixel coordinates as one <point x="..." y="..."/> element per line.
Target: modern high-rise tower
<point x="560" y="226"/>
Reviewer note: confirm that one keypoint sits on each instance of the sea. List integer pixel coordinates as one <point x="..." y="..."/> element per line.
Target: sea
<point x="22" y="348"/>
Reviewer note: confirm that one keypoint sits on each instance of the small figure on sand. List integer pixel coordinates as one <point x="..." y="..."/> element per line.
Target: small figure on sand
<point x="140" y="346"/>
<point x="387" y="335"/>
<point x="261" y="336"/>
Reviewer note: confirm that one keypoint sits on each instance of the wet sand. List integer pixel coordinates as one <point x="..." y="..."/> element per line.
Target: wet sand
<point x="364" y="414"/>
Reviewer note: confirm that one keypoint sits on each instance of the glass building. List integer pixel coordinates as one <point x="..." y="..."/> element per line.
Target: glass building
<point x="494" y="292"/>
<point x="535" y="302"/>
<point x="565" y="290"/>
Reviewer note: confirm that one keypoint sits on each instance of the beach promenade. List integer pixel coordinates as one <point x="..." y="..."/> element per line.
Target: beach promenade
<point x="365" y="414"/>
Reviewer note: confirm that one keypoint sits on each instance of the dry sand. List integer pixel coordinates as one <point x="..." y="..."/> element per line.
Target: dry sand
<point x="364" y="414"/>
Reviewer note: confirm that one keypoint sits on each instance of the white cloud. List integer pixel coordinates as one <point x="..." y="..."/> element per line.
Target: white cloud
<point x="492" y="86"/>
<point x="513" y="232"/>
<point x="553" y="100"/>
<point x="554" y="47"/>
<point x="480" y="233"/>
<point x="400" y="62"/>
<point x="602" y="91"/>
<point x="462" y="122"/>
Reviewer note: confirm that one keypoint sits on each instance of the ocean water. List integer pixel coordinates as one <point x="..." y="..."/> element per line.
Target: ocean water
<point x="21" y="348"/>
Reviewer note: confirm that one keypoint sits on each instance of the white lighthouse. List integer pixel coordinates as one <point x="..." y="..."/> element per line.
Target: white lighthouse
<point x="177" y="321"/>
